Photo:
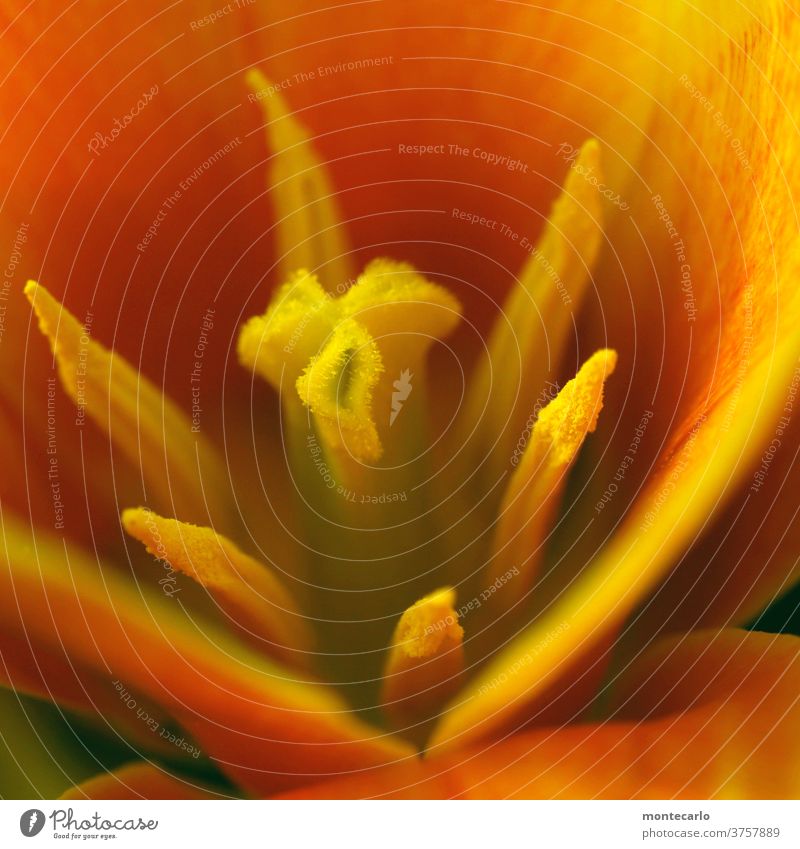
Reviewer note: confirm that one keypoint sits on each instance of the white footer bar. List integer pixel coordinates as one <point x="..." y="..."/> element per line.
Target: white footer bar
<point x="401" y="825"/>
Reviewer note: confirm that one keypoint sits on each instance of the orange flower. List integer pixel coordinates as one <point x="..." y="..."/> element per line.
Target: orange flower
<point x="463" y="444"/>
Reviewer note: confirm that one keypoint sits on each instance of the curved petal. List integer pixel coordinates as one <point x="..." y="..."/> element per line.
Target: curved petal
<point x="44" y="672"/>
<point x="140" y="781"/>
<point x="708" y="715"/>
<point x="739" y="208"/>
<point x="747" y="557"/>
<point x="263" y="727"/>
<point x="724" y="422"/>
<point x="40" y="753"/>
<point x="596" y="605"/>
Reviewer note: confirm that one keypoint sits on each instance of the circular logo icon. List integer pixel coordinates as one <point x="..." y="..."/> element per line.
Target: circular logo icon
<point x="31" y="822"/>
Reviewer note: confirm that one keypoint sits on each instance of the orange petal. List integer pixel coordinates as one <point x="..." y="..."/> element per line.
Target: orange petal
<point x="140" y="781"/>
<point x="731" y="378"/>
<point x="747" y="558"/>
<point x="46" y="673"/>
<point x="264" y="729"/>
<point x="709" y="457"/>
<point x="413" y="780"/>
<point x="706" y="715"/>
<point x="509" y="100"/>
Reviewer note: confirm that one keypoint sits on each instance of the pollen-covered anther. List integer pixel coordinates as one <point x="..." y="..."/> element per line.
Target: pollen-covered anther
<point x="531" y="500"/>
<point x="425" y="661"/>
<point x="538" y="315"/>
<point x="563" y="424"/>
<point x="248" y="592"/>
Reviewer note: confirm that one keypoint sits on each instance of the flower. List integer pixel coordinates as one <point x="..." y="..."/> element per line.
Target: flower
<point x="487" y="538"/>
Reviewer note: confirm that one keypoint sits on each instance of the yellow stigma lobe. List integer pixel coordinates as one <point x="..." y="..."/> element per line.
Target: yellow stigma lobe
<point x="279" y="344"/>
<point x="342" y="355"/>
<point x="337" y="387"/>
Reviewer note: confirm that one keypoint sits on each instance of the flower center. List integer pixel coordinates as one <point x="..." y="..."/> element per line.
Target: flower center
<point x="395" y="528"/>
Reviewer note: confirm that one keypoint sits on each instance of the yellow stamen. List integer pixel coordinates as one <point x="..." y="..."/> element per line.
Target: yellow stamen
<point x="527" y="341"/>
<point x="309" y="230"/>
<point x="563" y="424"/>
<point x="250" y="593"/>
<point x="425" y="662"/>
<point x="534" y="492"/>
<point x="180" y="468"/>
